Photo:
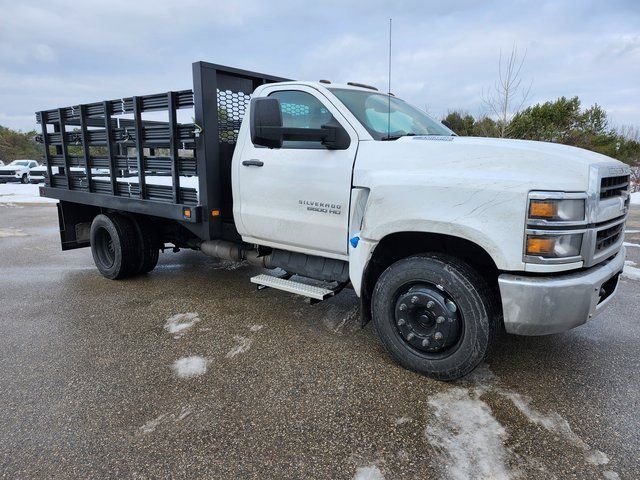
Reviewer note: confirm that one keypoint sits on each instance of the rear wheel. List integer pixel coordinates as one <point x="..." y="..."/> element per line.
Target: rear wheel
<point x="434" y="315"/>
<point x="150" y="249"/>
<point x="115" y="246"/>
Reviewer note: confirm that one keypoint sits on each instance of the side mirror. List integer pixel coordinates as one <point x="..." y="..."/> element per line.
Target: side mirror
<point x="267" y="130"/>
<point x="266" y="122"/>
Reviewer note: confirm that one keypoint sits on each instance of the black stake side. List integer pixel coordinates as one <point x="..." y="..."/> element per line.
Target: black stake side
<point x="86" y="151"/>
<point x="110" y="148"/>
<point x="45" y="143"/>
<point x="137" y="116"/>
<point x="65" y="148"/>
<point x="205" y="100"/>
<point x="174" y="149"/>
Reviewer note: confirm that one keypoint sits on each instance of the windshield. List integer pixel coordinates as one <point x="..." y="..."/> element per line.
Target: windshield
<point x="386" y="117"/>
<point x="22" y="163"/>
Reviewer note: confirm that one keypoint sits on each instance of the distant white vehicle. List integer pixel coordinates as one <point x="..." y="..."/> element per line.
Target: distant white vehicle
<point x="17" y="171"/>
<point x="39" y="173"/>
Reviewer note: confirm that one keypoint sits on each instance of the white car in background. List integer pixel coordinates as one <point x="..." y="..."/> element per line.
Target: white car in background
<point x="17" y="171"/>
<point x="38" y="174"/>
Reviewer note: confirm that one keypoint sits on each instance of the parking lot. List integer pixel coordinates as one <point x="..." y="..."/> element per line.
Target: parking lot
<point x="191" y="372"/>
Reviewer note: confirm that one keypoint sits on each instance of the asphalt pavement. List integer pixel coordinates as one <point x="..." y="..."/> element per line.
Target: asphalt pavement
<point x="190" y="372"/>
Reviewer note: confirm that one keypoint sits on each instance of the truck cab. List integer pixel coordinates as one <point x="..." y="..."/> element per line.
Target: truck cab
<point x="446" y="240"/>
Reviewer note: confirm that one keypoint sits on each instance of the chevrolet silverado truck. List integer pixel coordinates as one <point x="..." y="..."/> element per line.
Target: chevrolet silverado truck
<point x="446" y="240"/>
<point x="17" y="171"/>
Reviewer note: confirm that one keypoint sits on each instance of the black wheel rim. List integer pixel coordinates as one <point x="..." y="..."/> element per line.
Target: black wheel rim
<point x="104" y="248"/>
<point x="428" y="320"/>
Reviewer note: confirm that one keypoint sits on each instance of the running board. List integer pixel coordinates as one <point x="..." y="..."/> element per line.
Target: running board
<point x="315" y="293"/>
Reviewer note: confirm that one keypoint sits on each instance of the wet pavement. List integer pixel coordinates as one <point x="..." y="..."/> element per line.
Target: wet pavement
<point x="189" y="372"/>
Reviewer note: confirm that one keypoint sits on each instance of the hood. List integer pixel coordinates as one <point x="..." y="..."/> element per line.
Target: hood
<point x="536" y="165"/>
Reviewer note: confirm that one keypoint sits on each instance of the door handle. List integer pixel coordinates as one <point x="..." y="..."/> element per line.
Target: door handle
<point x="252" y="163"/>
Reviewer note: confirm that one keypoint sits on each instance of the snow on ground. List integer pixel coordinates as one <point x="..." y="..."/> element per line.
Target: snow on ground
<point x="368" y="473"/>
<point x="12" y="193"/>
<point x="635" y="198"/>
<point x="631" y="272"/>
<point x="189" y="367"/>
<point x="180" y="323"/>
<point x="11" y="232"/>
<point x="151" y="425"/>
<point x="401" y="421"/>
<point x="256" y="328"/>
<point x="473" y="440"/>
<point x="243" y="345"/>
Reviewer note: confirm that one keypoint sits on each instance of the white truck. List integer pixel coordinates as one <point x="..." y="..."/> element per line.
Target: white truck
<point x="446" y="240"/>
<point x="17" y="171"/>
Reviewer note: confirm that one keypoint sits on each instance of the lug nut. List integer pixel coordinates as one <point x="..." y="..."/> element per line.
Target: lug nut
<point x="439" y="319"/>
<point x="414" y="299"/>
<point x="437" y="336"/>
<point x="401" y="322"/>
<point x="410" y="336"/>
<point x="451" y="306"/>
<point x="403" y="307"/>
<point x="430" y="304"/>
<point x="425" y="342"/>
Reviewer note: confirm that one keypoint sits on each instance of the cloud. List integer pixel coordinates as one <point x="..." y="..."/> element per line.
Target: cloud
<point x="65" y="52"/>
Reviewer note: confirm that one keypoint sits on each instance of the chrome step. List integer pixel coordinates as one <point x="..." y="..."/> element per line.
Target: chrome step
<point x="317" y="293"/>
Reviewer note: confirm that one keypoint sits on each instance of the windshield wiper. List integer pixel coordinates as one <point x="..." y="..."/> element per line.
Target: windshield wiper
<point x="395" y="137"/>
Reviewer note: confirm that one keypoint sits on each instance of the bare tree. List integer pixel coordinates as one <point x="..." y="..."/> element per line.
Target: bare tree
<point x="507" y="96"/>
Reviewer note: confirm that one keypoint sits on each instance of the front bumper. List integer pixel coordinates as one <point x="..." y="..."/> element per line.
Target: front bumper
<point x="545" y="305"/>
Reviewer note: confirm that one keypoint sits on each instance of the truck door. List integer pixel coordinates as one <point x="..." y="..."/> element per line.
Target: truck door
<point x="297" y="197"/>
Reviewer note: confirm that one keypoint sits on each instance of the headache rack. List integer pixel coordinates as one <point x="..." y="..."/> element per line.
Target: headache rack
<point x="108" y="156"/>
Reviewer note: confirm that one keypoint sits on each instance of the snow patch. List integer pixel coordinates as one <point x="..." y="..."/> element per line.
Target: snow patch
<point x="11" y="232"/>
<point x="180" y="323"/>
<point x="401" y="421"/>
<point x="635" y="198"/>
<point x="632" y="231"/>
<point x="610" y="475"/>
<point x="151" y="425"/>
<point x="371" y="472"/>
<point x="631" y="272"/>
<point x="256" y="328"/>
<point x="556" y="425"/>
<point x="13" y="193"/>
<point x="189" y="367"/>
<point x="471" y="437"/>
<point x="243" y="345"/>
<point x="627" y="244"/>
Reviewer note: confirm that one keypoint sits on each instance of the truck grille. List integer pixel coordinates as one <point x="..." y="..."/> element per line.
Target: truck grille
<point x="7" y="173"/>
<point x="609" y="236"/>
<point x="614" y="186"/>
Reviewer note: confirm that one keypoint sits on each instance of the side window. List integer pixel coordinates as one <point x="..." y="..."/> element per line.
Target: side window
<point x="301" y="110"/>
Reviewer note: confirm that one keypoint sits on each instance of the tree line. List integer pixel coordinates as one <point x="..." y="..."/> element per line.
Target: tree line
<point x="560" y="121"/>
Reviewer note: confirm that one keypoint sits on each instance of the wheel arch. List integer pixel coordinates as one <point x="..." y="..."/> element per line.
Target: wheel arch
<point x="398" y="245"/>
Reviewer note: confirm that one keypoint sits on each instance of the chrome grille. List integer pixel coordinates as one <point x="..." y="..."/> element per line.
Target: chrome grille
<point x="614" y="186"/>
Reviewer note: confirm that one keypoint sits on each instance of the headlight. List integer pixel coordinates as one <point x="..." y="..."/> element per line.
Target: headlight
<point x="556" y="210"/>
<point x="554" y="246"/>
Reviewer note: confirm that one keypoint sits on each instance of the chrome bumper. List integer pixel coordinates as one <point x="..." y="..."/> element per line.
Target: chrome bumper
<point x="545" y="305"/>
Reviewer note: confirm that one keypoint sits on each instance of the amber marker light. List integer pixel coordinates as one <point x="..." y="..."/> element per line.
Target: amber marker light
<point x="543" y="209"/>
<point x="540" y="245"/>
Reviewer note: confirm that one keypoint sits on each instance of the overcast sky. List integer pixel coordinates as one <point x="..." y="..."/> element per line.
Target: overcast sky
<point x="60" y="53"/>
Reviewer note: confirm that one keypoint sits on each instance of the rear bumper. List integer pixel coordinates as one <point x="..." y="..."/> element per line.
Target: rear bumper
<point x="545" y="305"/>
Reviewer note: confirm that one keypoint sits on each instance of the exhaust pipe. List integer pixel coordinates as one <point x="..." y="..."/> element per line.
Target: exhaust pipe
<point x="320" y="268"/>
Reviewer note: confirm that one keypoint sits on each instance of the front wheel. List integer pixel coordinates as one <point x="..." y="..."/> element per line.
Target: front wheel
<point x="25" y="178"/>
<point x="433" y="313"/>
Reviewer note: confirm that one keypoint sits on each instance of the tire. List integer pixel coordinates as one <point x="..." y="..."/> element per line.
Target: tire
<point x="115" y="246"/>
<point x="25" y="178"/>
<point x="150" y="250"/>
<point x="434" y="315"/>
